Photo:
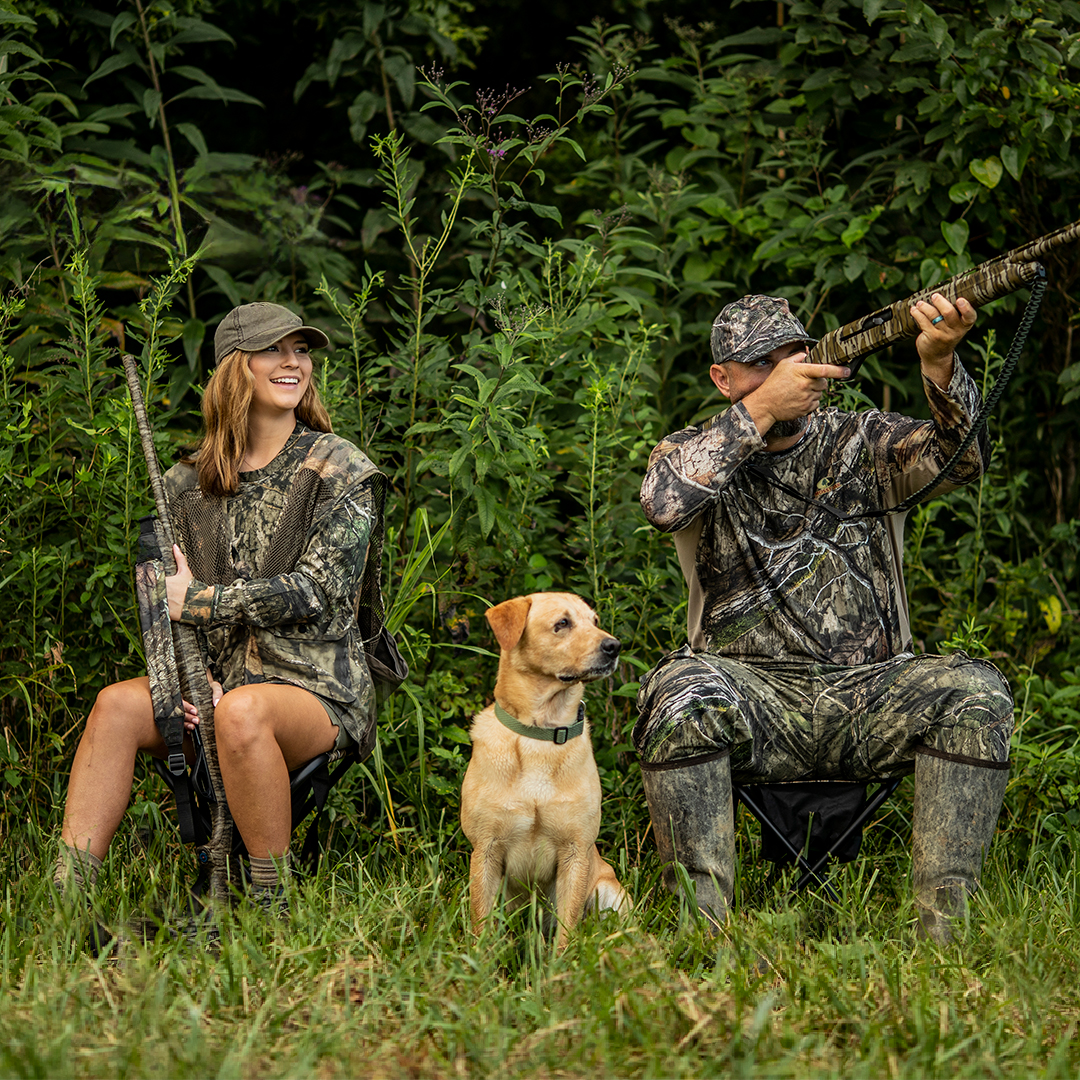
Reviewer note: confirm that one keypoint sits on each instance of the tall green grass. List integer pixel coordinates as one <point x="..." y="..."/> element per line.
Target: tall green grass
<point x="378" y="975"/>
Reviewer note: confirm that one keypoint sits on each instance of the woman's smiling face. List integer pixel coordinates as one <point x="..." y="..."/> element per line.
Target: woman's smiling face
<point x="282" y="372"/>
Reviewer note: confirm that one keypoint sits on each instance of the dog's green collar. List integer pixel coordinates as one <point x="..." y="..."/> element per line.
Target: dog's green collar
<point x="557" y="735"/>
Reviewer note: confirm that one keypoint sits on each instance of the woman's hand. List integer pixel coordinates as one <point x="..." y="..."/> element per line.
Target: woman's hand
<point x="176" y="585"/>
<point x="191" y="717"/>
<point x="191" y="714"/>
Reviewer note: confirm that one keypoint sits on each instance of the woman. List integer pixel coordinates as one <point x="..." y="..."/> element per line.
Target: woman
<point x="277" y="515"/>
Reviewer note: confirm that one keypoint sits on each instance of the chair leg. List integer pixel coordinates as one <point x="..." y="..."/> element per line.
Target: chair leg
<point x="957" y="803"/>
<point x="693" y="823"/>
<point x="814" y="873"/>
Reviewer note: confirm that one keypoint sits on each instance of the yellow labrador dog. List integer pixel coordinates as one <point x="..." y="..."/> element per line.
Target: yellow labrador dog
<point x="530" y="801"/>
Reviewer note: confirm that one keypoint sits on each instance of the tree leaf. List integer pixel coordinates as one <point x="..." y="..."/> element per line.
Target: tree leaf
<point x="222" y="93"/>
<point x="963" y="192"/>
<point x="192" y="337"/>
<point x="987" y="171"/>
<point x="854" y="233"/>
<point x="457" y="462"/>
<point x="575" y="147"/>
<point x="195" y="30"/>
<point x="871" y="9"/>
<point x="193" y="136"/>
<point x="121" y="60"/>
<point x="854" y="265"/>
<point x="120" y="24"/>
<point x="485" y="508"/>
<point x="151" y="103"/>
<point x="956" y="235"/>
<point x="1015" y="158"/>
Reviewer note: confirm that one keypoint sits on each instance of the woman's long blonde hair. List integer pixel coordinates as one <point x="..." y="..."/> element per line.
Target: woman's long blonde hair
<point x="225" y="406"/>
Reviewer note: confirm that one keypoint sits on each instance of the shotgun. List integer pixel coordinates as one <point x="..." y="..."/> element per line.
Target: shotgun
<point x="174" y="663"/>
<point x="848" y="345"/>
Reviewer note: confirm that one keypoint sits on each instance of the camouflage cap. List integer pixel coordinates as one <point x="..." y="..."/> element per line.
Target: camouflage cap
<point x="254" y="327"/>
<point x="752" y="327"/>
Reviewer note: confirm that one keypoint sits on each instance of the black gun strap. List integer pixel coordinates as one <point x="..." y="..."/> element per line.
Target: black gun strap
<point x="1038" y="287"/>
<point x="321" y="783"/>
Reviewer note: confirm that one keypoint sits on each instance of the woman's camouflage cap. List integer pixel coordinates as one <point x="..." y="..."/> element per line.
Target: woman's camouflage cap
<point x="750" y="328"/>
<point x="254" y="327"/>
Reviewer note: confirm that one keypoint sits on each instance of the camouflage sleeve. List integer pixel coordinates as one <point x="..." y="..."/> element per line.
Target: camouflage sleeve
<point x="321" y="586"/>
<point x="916" y="450"/>
<point x="688" y="470"/>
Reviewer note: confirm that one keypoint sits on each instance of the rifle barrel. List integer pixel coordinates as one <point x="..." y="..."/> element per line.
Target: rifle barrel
<point x="153" y="466"/>
<point x="991" y="280"/>
<point x="1037" y="249"/>
<point x="190" y="668"/>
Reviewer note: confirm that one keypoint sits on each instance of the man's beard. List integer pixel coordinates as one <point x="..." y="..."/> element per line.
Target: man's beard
<point x="784" y="429"/>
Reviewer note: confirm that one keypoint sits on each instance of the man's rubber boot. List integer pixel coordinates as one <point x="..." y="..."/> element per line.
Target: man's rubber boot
<point x="693" y="823"/>
<point x="957" y="802"/>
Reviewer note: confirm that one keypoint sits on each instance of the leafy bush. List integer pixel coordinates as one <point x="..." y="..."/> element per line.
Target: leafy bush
<point x="519" y="286"/>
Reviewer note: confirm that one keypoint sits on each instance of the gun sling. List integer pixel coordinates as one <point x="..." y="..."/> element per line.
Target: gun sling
<point x="157" y="636"/>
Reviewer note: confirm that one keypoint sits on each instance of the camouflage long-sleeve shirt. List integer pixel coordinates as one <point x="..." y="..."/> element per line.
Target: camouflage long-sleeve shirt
<point x="278" y="569"/>
<point x="772" y="577"/>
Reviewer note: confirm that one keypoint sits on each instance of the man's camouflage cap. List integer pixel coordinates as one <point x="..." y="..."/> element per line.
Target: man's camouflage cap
<point x="750" y="328"/>
<point x="254" y="327"/>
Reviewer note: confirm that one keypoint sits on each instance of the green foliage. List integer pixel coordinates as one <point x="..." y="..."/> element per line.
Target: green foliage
<point x="519" y="284"/>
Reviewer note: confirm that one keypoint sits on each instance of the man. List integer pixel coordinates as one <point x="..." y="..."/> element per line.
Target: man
<point x="799" y="662"/>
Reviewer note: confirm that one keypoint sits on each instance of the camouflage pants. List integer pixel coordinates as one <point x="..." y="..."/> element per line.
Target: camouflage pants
<point x="785" y="721"/>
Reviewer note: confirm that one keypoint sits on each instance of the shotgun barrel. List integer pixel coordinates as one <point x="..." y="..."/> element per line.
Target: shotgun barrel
<point x="848" y="345"/>
<point x="189" y="664"/>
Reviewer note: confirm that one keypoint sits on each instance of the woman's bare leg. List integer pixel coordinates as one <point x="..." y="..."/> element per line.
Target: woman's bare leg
<point x="263" y="730"/>
<point x="120" y="724"/>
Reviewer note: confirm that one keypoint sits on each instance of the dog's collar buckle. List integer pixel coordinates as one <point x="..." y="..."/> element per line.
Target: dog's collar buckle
<point x="560" y="736"/>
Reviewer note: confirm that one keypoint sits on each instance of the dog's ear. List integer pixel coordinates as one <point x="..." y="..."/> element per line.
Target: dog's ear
<point x="508" y="620"/>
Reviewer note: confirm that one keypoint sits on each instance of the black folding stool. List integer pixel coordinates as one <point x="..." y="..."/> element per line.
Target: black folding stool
<point x="309" y="785"/>
<point x="824" y="818"/>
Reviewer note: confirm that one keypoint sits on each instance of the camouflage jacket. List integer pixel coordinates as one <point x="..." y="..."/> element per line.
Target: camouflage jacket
<point x="772" y="577"/>
<point x="278" y="570"/>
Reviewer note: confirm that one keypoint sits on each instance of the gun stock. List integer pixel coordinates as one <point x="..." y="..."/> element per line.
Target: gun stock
<point x="850" y="344"/>
<point x="173" y="653"/>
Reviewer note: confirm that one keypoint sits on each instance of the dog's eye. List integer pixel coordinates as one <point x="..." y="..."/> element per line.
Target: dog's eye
<point x="562" y="624"/>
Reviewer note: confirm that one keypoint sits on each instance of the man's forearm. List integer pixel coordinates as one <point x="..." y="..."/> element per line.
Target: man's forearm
<point x="688" y="470"/>
<point x="940" y="372"/>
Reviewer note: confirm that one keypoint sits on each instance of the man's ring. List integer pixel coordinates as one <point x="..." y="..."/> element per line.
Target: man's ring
<point x="934" y="322"/>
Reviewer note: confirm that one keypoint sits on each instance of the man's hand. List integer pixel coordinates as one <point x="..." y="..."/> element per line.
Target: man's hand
<point x="793" y="389"/>
<point x="176" y="585"/>
<point x="942" y="327"/>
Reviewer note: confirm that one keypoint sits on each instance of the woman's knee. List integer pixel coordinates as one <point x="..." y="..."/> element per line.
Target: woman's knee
<point x="123" y="709"/>
<point x="241" y="720"/>
<point x="980" y="688"/>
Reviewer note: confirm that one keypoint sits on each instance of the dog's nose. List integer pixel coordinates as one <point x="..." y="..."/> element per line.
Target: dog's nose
<point x="611" y="647"/>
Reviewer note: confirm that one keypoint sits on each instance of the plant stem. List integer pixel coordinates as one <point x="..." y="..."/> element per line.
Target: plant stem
<point x="174" y="187"/>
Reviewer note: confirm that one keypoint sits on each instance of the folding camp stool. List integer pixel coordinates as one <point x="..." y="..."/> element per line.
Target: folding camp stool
<point x="310" y="785"/>
<point x="823" y="817"/>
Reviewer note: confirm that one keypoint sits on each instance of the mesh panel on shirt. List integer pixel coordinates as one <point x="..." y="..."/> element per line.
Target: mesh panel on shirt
<point x="200" y="528"/>
<point x="291" y="529"/>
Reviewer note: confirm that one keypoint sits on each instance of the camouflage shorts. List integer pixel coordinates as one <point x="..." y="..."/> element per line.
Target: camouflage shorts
<point x="785" y="721"/>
